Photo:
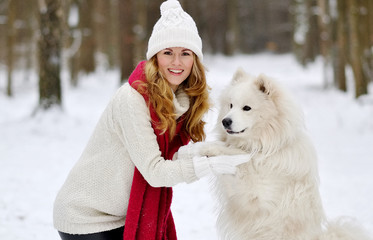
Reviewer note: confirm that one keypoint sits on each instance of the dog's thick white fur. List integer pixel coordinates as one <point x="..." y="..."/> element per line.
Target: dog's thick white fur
<point x="275" y="196"/>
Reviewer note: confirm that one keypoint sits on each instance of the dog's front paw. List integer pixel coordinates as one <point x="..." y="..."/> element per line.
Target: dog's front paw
<point x="210" y="149"/>
<point x="217" y="148"/>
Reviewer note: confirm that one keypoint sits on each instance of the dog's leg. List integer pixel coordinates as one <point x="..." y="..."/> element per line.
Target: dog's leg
<point x="217" y="148"/>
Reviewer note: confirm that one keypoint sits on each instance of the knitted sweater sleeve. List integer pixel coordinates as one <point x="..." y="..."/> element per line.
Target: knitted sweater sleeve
<point x="133" y="125"/>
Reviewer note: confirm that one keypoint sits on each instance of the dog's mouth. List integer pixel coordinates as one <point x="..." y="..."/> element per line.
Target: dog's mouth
<point x="229" y="131"/>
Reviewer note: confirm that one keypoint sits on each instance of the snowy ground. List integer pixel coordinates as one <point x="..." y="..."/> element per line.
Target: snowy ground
<point x="37" y="153"/>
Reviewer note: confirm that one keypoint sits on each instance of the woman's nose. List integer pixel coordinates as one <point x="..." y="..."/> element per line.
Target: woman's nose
<point x="176" y="59"/>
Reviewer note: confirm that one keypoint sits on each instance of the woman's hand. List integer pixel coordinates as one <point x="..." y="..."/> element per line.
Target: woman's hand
<point x="213" y="157"/>
<point x="223" y="164"/>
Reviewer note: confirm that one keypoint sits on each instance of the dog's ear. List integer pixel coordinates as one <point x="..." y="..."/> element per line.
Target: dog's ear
<point x="239" y="75"/>
<point x="264" y="84"/>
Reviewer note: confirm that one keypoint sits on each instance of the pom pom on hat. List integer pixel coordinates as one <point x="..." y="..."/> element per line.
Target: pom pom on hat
<point x="175" y="28"/>
<point x="170" y="4"/>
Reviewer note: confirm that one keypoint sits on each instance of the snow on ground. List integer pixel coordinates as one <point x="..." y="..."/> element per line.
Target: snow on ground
<point x="36" y="153"/>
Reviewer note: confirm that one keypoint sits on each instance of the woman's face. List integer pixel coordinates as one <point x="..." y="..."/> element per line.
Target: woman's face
<point x="175" y="64"/>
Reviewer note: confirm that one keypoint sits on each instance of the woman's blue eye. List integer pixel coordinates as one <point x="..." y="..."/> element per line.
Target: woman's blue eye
<point x="167" y="53"/>
<point x="186" y="54"/>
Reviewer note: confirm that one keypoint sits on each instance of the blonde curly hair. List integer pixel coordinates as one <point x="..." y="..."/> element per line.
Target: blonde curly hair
<point x="161" y="98"/>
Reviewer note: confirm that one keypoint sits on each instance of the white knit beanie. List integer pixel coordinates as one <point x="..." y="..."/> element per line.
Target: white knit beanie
<point x="175" y="28"/>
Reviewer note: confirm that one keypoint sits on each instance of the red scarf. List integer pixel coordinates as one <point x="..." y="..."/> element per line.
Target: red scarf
<point x="149" y="215"/>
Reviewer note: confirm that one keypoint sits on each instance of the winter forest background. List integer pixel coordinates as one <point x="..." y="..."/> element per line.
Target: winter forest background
<point x="61" y="61"/>
<point x="83" y="35"/>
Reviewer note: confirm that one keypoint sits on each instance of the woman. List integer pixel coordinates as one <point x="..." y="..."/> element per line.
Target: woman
<point x="124" y="176"/>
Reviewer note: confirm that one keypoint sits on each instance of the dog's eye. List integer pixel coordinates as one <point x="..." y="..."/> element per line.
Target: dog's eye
<point x="231" y="105"/>
<point x="246" y="108"/>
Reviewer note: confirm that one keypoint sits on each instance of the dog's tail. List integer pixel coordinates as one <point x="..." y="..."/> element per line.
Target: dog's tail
<point x="345" y="228"/>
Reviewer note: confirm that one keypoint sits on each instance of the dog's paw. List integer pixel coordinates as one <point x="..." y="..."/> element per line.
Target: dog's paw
<point x="217" y="148"/>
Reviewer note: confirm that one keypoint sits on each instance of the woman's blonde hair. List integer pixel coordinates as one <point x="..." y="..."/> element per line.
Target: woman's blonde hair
<point x="161" y="98"/>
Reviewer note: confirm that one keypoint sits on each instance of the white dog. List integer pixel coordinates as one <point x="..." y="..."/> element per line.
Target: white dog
<point x="275" y="195"/>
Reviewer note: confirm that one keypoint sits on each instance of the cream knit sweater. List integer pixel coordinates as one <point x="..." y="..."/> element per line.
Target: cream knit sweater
<point x="95" y="196"/>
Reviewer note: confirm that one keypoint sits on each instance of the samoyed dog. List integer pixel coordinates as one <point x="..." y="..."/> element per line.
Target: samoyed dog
<point x="275" y="196"/>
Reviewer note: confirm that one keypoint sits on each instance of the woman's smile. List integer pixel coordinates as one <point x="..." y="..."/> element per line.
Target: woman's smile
<point x="176" y="72"/>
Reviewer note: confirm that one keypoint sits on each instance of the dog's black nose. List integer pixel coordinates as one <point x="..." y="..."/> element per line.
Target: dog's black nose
<point x="227" y="122"/>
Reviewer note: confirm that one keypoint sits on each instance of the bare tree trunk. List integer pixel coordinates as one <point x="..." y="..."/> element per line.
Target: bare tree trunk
<point x="11" y="34"/>
<point x="86" y="54"/>
<point x="101" y="11"/>
<point x="365" y="34"/>
<point x="31" y="43"/>
<point x="370" y="23"/>
<point x="215" y="25"/>
<point x="260" y="24"/>
<point x="74" y="71"/>
<point x="153" y="14"/>
<point x="140" y="30"/>
<point x="324" y="21"/>
<point x="341" y="45"/>
<point x="312" y="39"/>
<point x="127" y="38"/>
<point x="101" y="24"/>
<point x="113" y="48"/>
<point x="306" y="33"/>
<point x="357" y="51"/>
<point x="50" y="53"/>
<point x="231" y="36"/>
<point x="370" y="15"/>
<point x="74" y="42"/>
